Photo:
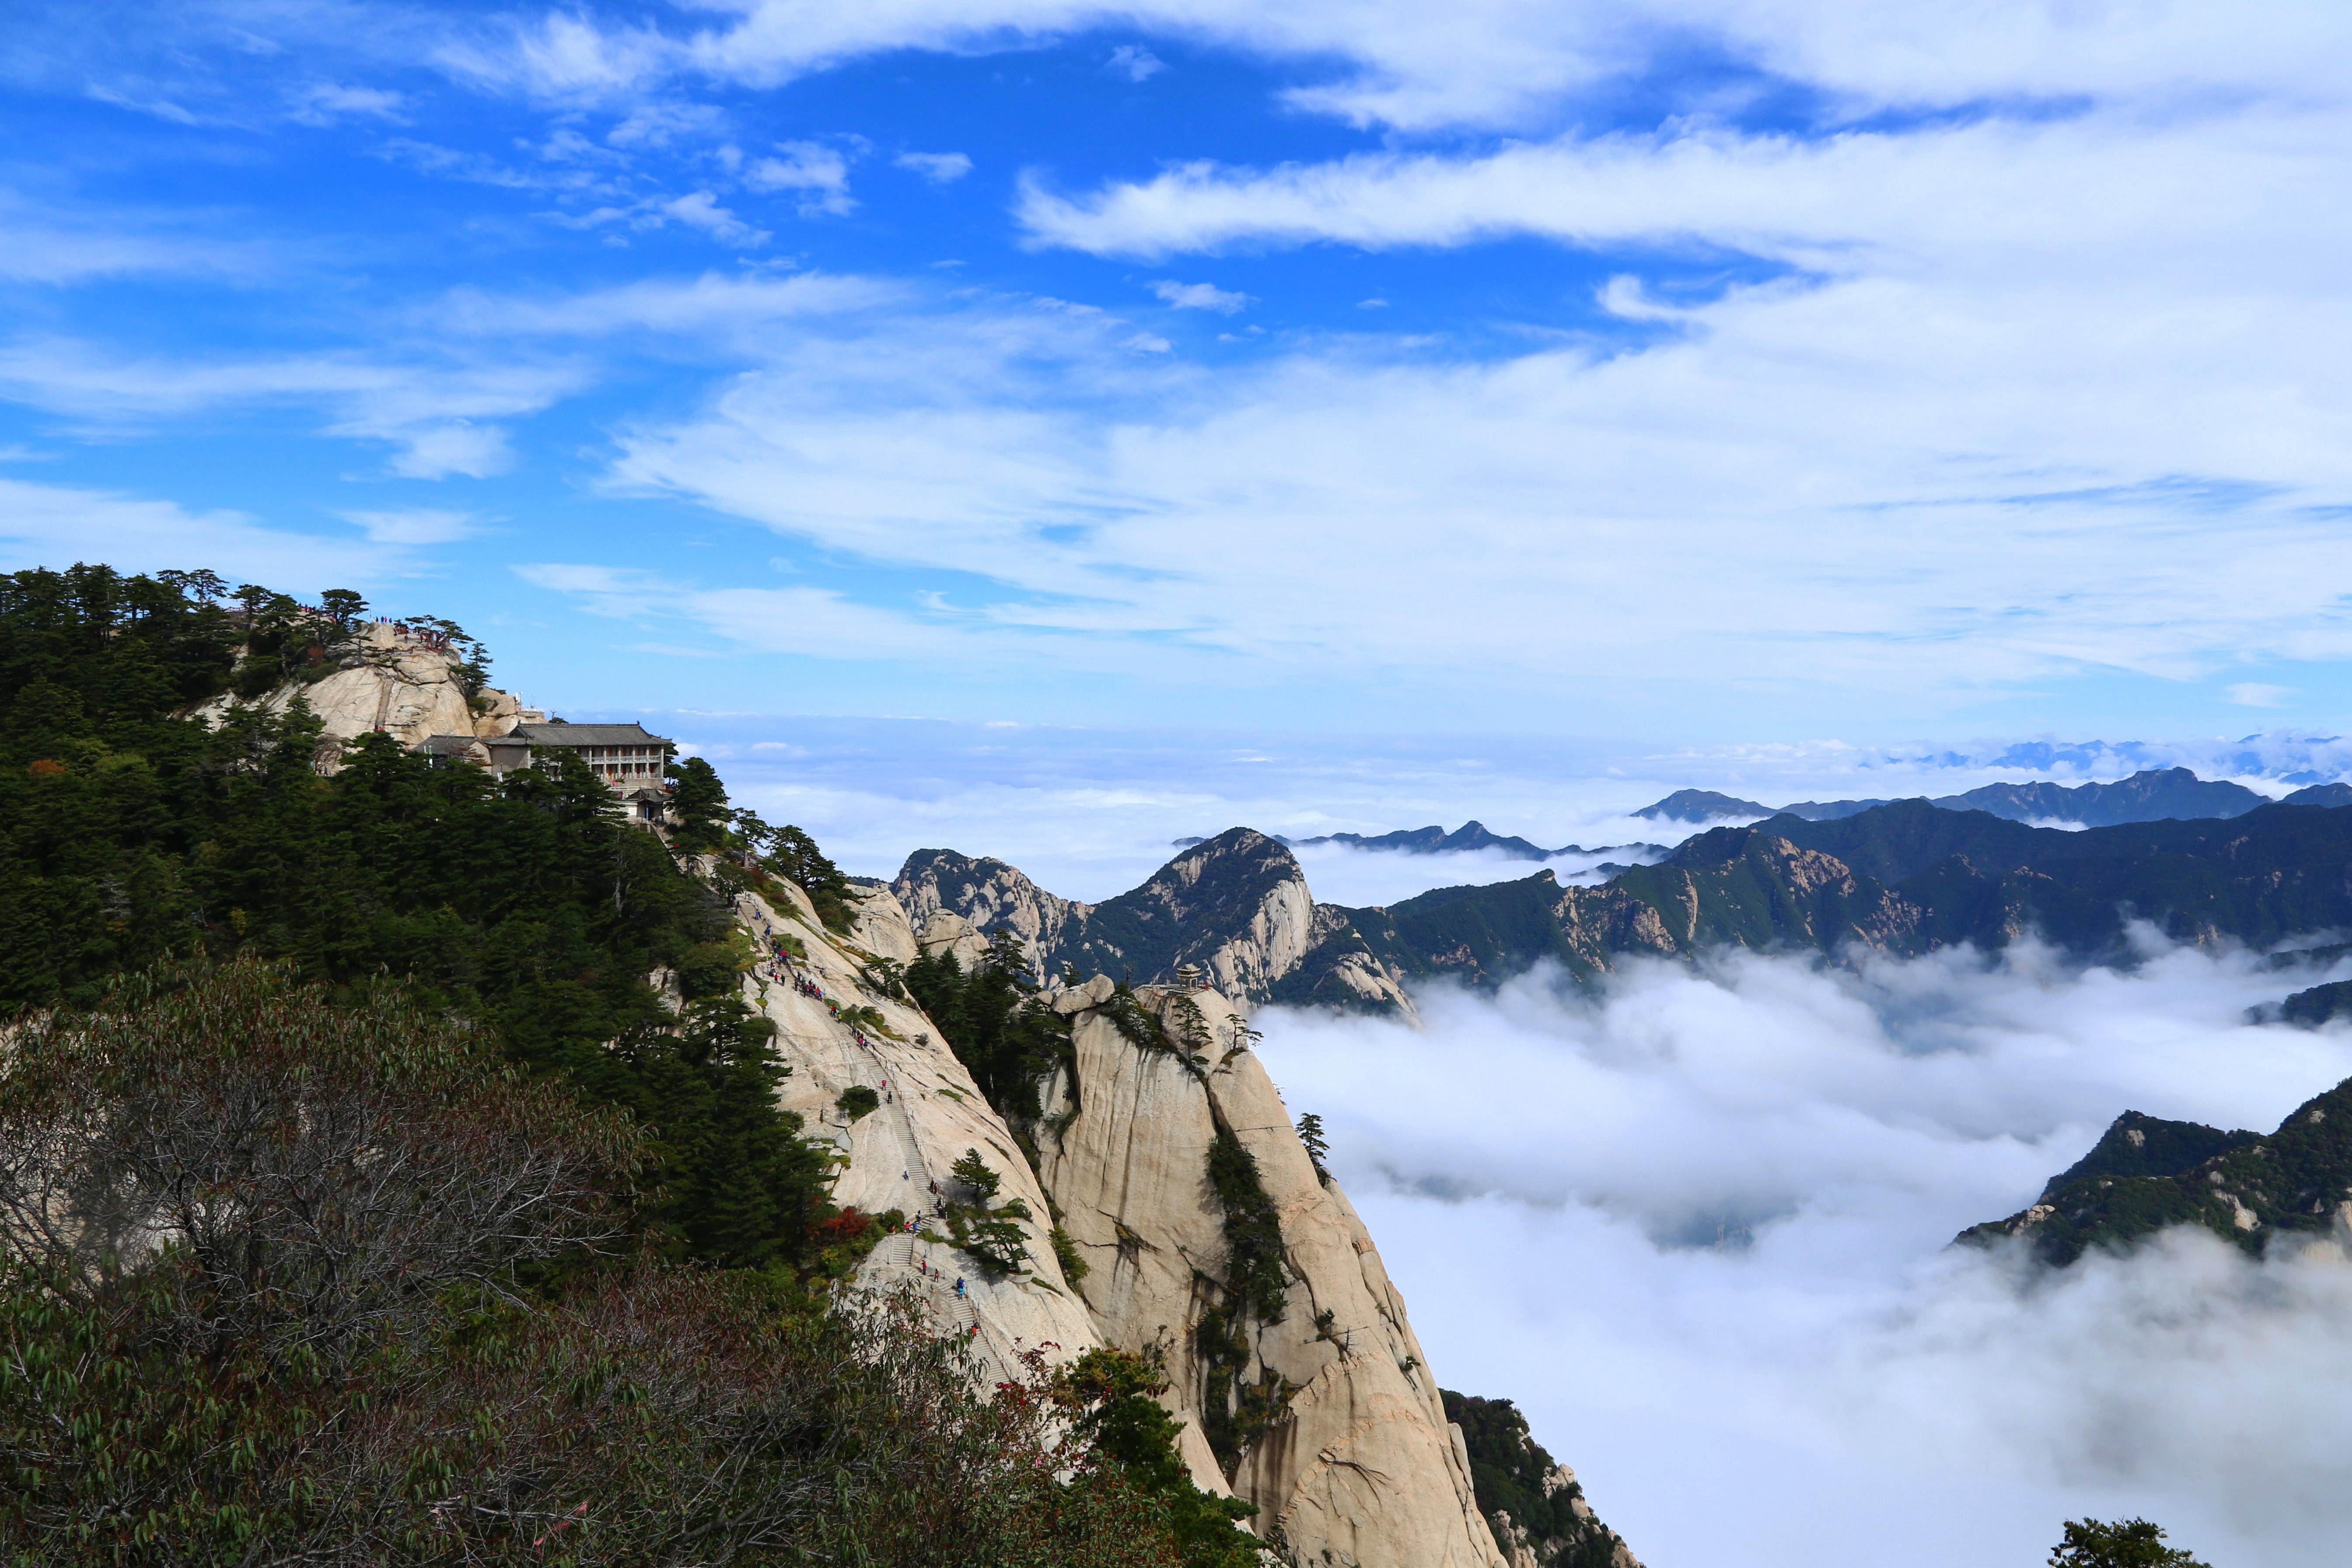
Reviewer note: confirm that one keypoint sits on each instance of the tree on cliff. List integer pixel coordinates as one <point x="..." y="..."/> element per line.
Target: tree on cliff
<point x="398" y="1328"/>
<point x="520" y="904"/>
<point x="699" y="801"/>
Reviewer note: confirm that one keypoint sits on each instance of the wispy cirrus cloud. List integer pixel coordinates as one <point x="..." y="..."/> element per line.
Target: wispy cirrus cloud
<point x="1485" y="62"/>
<point x="711" y="302"/>
<point x="939" y="168"/>
<point x="1200" y="297"/>
<point x="817" y="173"/>
<point x="54" y="525"/>
<point x="438" y="419"/>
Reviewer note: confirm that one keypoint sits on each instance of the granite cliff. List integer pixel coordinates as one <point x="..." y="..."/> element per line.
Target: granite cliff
<point x="384" y="678"/>
<point x="1197" y="1227"/>
<point x="1237" y="906"/>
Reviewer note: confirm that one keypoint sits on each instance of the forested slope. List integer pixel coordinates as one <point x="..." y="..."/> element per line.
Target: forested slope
<point x="227" y="967"/>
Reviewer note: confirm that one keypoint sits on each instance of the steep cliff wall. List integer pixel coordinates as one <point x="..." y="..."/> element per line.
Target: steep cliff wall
<point x="898" y="1156"/>
<point x="1324" y="1410"/>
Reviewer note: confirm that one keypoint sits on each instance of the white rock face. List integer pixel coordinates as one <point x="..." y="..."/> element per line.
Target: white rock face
<point x="1236" y="905"/>
<point x="934" y="1113"/>
<point x="401" y="687"/>
<point x="988" y="895"/>
<point x="1359" y="1460"/>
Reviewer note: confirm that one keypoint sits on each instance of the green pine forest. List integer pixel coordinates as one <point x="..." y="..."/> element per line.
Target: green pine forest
<point x="231" y="974"/>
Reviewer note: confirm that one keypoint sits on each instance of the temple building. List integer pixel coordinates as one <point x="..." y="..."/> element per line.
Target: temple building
<point x="627" y="757"/>
<point x="624" y="755"/>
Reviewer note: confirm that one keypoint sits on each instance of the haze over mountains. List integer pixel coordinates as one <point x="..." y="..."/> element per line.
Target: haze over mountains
<point x="1471" y="837"/>
<point x="2153" y="795"/>
<point x="1906" y="876"/>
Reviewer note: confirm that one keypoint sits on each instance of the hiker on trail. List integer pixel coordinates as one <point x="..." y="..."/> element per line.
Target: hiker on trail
<point x="958" y="1284"/>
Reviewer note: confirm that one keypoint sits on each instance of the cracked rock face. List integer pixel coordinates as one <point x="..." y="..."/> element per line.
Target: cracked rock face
<point x="1358" y="1459"/>
<point x="397" y="685"/>
<point x="893" y="1154"/>
<point x="1236" y="905"/>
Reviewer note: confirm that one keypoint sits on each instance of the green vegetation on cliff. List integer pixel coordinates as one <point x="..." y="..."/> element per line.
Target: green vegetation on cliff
<point x="990" y="1017"/>
<point x="407" y="1327"/>
<point x="524" y="905"/>
<point x="2146" y="1175"/>
<point x="584" y="1313"/>
<point x="1524" y="1495"/>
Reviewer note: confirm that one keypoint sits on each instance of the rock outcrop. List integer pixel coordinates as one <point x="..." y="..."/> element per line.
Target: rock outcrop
<point x="990" y="896"/>
<point x="392" y="681"/>
<point x="2287" y="1190"/>
<point x="1236" y="905"/>
<point x="1320" y="1408"/>
<point x="1904" y="877"/>
<point x="898" y="1155"/>
<point x="1540" y="1517"/>
<point x="1325" y="1412"/>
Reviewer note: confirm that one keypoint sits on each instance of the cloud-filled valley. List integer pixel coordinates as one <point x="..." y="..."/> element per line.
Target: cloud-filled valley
<point x="1706" y="1215"/>
<point x="1056" y="431"/>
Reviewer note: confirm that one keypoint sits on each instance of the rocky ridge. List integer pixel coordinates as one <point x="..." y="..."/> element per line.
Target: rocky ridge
<point x="2292" y="1188"/>
<point x="1237" y="906"/>
<point x="1903" y="878"/>
<point x="1328" y="1415"/>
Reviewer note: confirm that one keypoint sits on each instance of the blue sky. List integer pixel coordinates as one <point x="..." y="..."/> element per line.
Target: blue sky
<point x="1687" y="375"/>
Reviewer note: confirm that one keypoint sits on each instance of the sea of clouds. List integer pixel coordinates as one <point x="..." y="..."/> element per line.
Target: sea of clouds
<point x="1090" y="812"/>
<point x="1697" y="1227"/>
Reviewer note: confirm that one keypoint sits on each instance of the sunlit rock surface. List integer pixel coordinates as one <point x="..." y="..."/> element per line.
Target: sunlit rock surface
<point x="1358" y="1460"/>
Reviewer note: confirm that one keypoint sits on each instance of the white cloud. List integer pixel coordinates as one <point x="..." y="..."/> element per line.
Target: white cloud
<point x="2254" y="694"/>
<point x="326" y="103"/>
<point x="1698" y="1231"/>
<point x="662" y="122"/>
<point x="2010" y="401"/>
<point x="42" y="243"/>
<point x="700" y="209"/>
<point x="1497" y="63"/>
<point x="1200" y="297"/>
<point x="710" y="303"/>
<point x="1842" y="204"/>
<point x="56" y="525"/>
<point x="812" y="622"/>
<point x="1136" y="63"/>
<point x="413" y="525"/>
<point x="436" y="418"/>
<point x="2068" y="491"/>
<point x="939" y="168"/>
<point x="820" y="172"/>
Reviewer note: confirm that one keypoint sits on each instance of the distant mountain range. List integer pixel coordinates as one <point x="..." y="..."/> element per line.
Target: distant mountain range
<point x="1903" y="877"/>
<point x="1468" y="838"/>
<point x="2155" y="794"/>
